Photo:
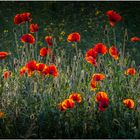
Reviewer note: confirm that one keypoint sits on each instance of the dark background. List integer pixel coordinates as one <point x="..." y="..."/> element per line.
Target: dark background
<point x="71" y="16"/>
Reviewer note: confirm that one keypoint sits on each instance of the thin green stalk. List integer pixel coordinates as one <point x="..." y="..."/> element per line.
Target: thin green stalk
<point x="17" y="45"/>
<point x="114" y="34"/>
<point x="107" y="35"/>
<point x="76" y="49"/>
<point x="27" y="27"/>
<point x="124" y="43"/>
<point x="35" y="49"/>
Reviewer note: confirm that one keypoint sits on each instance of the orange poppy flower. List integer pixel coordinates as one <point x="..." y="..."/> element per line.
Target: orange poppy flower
<point x="62" y="107"/>
<point x="93" y="84"/>
<point x="76" y="97"/>
<point x="114" y="52"/>
<point x="100" y="96"/>
<point x="113" y="17"/>
<point x="74" y="37"/>
<point x="33" y="28"/>
<point x="22" y="71"/>
<point x="135" y="39"/>
<point x="129" y="103"/>
<point x="3" y="55"/>
<point x="48" y="39"/>
<point x="6" y="74"/>
<point x="98" y="77"/>
<point x="18" y="19"/>
<point x="45" y="51"/>
<point x="31" y="65"/>
<point x="28" y="38"/>
<point x="103" y="104"/>
<point x="100" y="48"/>
<point x="130" y="71"/>
<point x="26" y="17"/>
<point x="91" y="60"/>
<point x="1" y="114"/>
<point x="68" y="103"/>
<point x="40" y="66"/>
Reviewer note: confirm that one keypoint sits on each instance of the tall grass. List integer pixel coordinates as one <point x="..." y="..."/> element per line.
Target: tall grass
<point x="30" y="104"/>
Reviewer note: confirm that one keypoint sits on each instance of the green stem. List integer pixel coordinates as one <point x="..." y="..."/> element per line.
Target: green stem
<point x="27" y="27"/>
<point x="76" y="49"/>
<point x="123" y="52"/>
<point x="35" y="49"/>
<point x="114" y="34"/>
<point x="17" y="45"/>
<point x="107" y="35"/>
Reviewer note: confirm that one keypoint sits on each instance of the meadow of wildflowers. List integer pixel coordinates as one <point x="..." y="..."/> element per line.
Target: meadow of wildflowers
<point x="50" y="88"/>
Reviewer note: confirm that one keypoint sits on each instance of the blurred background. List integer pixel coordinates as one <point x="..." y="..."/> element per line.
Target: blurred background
<point x="87" y="18"/>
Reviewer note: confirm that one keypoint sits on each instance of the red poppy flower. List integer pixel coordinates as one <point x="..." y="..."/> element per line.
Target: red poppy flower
<point x="73" y="37"/>
<point x="135" y="39"/>
<point x="18" y="19"/>
<point x="50" y="70"/>
<point x="103" y="104"/>
<point x="6" y="74"/>
<point x="92" y="53"/>
<point x="26" y="17"/>
<point x="100" y="96"/>
<point x="113" y="17"/>
<point x="45" y="51"/>
<point x="100" y="48"/>
<point x="102" y="99"/>
<point x="98" y="77"/>
<point x="40" y="66"/>
<point x="3" y="55"/>
<point x="48" y="39"/>
<point x="31" y="65"/>
<point x="130" y="71"/>
<point x="28" y="38"/>
<point x="91" y="57"/>
<point x="76" y="97"/>
<point x="33" y="28"/>
<point x="114" y="52"/>
<point x="129" y="103"/>
<point x="68" y="103"/>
